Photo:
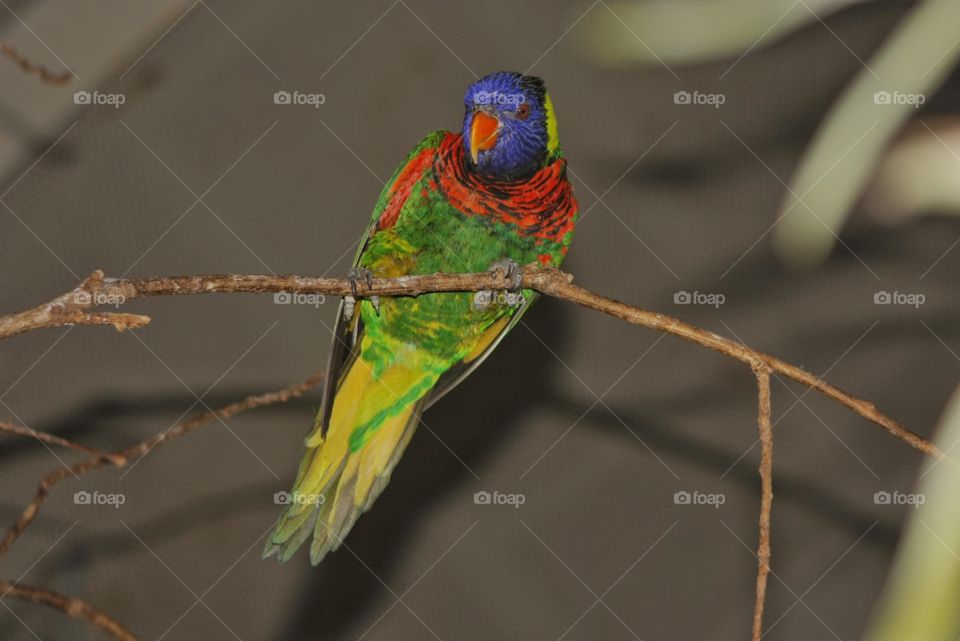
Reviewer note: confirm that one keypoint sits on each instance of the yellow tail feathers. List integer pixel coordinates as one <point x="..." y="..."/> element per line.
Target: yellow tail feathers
<point x="346" y="466"/>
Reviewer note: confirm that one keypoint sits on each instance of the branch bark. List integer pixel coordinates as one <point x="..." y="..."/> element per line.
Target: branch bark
<point x="766" y="496"/>
<point x="71" y="606"/>
<point x="44" y="437"/>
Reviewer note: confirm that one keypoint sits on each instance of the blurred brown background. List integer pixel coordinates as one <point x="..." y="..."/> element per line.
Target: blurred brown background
<point x="598" y="424"/>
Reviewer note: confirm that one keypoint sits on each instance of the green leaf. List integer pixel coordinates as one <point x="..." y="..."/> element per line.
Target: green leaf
<point x="857" y="130"/>
<point x="922" y="599"/>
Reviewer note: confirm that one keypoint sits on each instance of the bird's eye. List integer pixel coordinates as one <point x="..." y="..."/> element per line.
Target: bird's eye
<point x="523" y="110"/>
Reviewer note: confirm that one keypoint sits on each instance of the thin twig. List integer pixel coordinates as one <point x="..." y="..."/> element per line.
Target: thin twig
<point x="77" y="608"/>
<point x="564" y="290"/>
<point x="71" y="606"/>
<point x="40" y="71"/>
<point x="21" y="430"/>
<point x="766" y="496"/>
<point x="123" y="457"/>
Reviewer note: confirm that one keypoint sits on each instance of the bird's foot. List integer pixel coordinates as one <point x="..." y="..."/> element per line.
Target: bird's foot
<point x="354" y="277"/>
<point x="512" y="296"/>
<point x="357" y="274"/>
<point x="513" y="271"/>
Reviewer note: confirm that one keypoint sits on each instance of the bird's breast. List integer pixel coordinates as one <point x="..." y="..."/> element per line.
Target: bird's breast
<point x="541" y="206"/>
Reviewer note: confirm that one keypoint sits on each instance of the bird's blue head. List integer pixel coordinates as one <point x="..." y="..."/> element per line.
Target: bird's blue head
<point x="509" y="129"/>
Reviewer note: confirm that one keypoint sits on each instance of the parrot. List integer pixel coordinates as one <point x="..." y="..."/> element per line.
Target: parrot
<point x="494" y="196"/>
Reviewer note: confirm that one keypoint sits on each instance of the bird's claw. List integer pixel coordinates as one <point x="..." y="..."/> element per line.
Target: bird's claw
<point x="355" y="275"/>
<point x="512" y="270"/>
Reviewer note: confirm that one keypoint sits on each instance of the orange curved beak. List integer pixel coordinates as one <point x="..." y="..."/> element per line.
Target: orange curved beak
<point x="483" y="134"/>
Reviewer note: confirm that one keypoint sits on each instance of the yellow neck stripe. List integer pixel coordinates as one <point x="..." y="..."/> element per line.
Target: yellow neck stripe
<point x="553" y="138"/>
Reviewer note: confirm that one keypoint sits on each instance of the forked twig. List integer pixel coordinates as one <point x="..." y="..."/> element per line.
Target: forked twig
<point x="77" y="608"/>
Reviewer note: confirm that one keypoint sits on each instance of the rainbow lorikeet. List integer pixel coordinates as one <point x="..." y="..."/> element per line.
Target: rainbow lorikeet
<point x="495" y="195"/>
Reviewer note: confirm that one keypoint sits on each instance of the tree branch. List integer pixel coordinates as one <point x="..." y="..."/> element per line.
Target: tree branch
<point x="71" y="606"/>
<point x="21" y="430"/>
<point x="125" y="456"/>
<point x="31" y="68"/>
<point x="73" y="308"/>
<point x="77" y="608"/>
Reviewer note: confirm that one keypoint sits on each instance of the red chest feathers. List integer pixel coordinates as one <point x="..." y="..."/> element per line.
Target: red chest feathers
<point x="542" y="206"/>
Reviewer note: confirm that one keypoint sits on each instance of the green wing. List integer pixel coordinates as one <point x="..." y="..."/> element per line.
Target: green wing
<point x="453" y="376"/>
<point x="346" y="334"/>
